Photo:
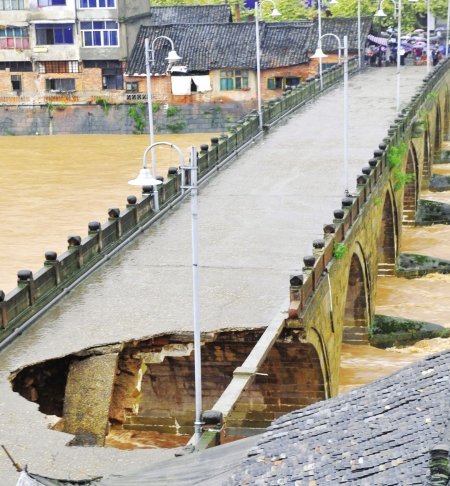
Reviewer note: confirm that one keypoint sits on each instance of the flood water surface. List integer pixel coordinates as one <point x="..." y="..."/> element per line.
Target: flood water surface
<point x="53" y="186"/>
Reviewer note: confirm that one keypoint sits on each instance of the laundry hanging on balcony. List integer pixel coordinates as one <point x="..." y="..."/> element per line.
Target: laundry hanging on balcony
<point x="186" y="85"/>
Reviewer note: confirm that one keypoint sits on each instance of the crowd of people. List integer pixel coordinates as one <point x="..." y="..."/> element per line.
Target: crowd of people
<point x="382" y="51"/>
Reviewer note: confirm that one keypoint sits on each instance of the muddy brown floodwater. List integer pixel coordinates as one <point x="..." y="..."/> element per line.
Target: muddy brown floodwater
<point x="53" y="186"/>
<point x="423" y="299"/>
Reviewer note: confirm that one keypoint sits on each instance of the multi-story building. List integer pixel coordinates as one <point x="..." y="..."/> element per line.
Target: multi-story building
<point x="63" y="46"/>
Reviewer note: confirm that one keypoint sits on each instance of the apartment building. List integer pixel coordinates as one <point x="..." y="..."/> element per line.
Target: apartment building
<point x="64" y="47"/>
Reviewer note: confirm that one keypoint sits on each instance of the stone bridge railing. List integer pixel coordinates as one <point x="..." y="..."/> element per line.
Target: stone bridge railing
<point x="304" y="285"/>
<point x="332" y="301"/>
<point x="36" y="291"/>
<point x="316" y="317"/>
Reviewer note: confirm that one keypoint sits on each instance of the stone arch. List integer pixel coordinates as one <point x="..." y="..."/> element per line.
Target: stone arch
<point x="411" y="189"/>
<point x="446" y="115"/>
<point x="290" y="378"/>
<point x="357" y="307"/>
<point x="438" y="130"/>
<point x="317" y="340"/>
<point x="387" y="239"/>
<point x="426" y="167"/>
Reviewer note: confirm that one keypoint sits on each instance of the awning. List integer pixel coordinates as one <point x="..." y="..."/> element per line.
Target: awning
<point x="381" y="41"/>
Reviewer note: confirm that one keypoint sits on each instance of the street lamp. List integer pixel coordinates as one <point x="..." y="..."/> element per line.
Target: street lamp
<point x="319" y="43"/>
<point x="359" y="34"/>
<point x="275" y="13"/>
<point x="398" y="12"/>
<point x="319" y="54"/>
<point x="428" y="36"/>
<point x="172" y="57"/>
<point x="448" y="27"/>
<point x="144" y="178"/>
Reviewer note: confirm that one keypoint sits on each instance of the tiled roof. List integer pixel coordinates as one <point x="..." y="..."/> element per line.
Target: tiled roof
<point x="189" y="14"/>
<point x="231" y="45"/>
<point x="379" y="434"/>
<point x="341" y="26"/>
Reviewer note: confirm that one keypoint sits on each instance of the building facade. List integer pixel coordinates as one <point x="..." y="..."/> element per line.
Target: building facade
<point x="57" y="49"/>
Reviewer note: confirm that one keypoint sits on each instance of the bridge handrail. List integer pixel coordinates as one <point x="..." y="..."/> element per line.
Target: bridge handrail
<point x="34" y="292"/>
<point x="303" y="285"/>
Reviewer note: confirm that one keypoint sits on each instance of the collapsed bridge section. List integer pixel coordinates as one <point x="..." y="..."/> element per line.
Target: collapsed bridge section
<point x="148" y="384"/>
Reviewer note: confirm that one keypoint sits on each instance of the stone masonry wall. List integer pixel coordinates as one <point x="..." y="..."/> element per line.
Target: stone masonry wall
<point x="114" y="119"/>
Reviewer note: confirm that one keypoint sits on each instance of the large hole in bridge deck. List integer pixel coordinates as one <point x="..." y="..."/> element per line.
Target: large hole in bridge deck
<point x="141" y="393"/>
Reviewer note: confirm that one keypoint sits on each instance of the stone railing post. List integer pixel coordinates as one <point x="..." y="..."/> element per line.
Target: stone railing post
<point x="114" y="215"/>
<point x="51" y="260"/>
<point x="74" y="242"/>
<point x="25" y="280"/>
<point x="3" y="312"/>
<point x="95" y="230"/>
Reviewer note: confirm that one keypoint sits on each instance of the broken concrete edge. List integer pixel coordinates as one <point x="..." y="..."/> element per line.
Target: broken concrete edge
<point x="99" y="350"/>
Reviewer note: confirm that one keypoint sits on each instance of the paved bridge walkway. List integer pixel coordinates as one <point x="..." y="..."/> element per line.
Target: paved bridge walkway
<point x="257" y="219"/>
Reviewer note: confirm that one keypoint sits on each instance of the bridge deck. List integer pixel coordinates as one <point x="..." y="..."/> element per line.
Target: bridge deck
<point x="257" y="219"/>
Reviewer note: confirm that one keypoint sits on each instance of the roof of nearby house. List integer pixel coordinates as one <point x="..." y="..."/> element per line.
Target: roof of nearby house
<point x="190" y="14"/>
<point x="224" y="46"/>
<point x="379" y="434"/>
<point x="341" y="26"/>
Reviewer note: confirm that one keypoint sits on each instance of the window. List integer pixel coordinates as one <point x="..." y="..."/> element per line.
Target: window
<point x="97" y="3"/>
<point x="11" y="5"/>
<point x="14" y="38"/>
<point x="100" y="33"/>
<point x="233" y="79"/>
<point x="16" y="82"/>
<point x="132" y="87"/>
<point x="16" y="67"/>
<point x="102" y="64"/>
<point x="58" y="67"/>
<point x="112" y="78"/>
<point x="50" y="3"/>
<point x="60" y="84"/>
<point x="51" y="34"/>
<point x="282" y="83"/>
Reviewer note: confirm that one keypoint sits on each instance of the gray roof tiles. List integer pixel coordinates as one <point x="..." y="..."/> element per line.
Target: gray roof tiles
<point x="341" y="26"/>
<point x="225" y="46"/>
<point x="379" y="434"/>
<point x="206" y="46"/>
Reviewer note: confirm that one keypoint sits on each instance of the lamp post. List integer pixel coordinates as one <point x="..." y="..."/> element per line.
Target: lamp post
<point x="319" y="54"/>
<point x="172" y="57"/>
<point x="398" y="12"/>
<point x="319" y="43"/>
<point x="275" y="13"/>
<point x="428" y="37"/>
<point x="145" y="179"/>
<point x="448" y="27"/>
<point x="359" y="34"/>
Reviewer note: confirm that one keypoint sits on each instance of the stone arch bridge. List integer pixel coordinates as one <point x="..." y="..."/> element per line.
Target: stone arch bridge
<point x="253" y="373"/>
